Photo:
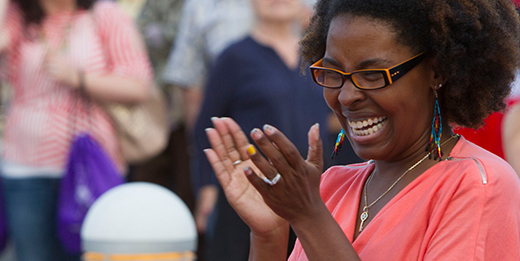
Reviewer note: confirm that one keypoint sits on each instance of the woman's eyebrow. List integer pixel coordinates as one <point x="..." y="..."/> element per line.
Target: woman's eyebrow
<point x="382" y="63"/>
<point x="361" y="65"/>
<point x="330" y="61"/>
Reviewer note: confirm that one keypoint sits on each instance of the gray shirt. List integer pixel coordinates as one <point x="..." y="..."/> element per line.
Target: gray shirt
<point x="207" y="27"/>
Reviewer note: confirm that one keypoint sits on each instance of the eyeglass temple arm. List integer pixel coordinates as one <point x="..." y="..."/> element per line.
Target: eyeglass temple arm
<point x="400" y="70"/>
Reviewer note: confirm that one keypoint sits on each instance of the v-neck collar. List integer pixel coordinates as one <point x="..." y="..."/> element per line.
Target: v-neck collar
<point x="274" y="53"/>
<point x="389" y="204"/>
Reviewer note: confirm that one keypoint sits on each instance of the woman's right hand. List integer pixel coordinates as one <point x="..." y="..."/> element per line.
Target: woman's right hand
<point x="229" y="144"/>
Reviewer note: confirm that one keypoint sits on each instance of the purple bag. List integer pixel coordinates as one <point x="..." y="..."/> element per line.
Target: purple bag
<point x="90" y="172"/>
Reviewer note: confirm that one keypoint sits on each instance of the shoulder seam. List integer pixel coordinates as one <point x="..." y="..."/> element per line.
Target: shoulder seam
<point x="480" y="168"/>
<point x="360" y="165"/>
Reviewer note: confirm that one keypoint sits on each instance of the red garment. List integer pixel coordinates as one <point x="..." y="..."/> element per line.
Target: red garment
<point x="465" y="208"/>
<point x="43" y="113"/>
<point x="489" y="136"/>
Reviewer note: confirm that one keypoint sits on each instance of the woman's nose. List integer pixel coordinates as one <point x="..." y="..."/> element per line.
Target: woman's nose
<point x="349" y="94"/>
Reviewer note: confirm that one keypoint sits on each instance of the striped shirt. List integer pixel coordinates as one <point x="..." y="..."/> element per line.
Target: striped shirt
<point x="44" y="115"/>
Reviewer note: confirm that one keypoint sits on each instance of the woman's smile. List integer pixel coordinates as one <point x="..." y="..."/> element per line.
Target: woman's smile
<point x="367" y="126"/>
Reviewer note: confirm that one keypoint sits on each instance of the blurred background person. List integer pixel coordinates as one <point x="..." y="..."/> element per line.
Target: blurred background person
<point x="158" y="22"/>
<point x="511" y="125"/>
<point x="206" y="28"/>
<point x="256" y="80"/>
<point x="55" y="51"/>
<point x="511" y="134"/>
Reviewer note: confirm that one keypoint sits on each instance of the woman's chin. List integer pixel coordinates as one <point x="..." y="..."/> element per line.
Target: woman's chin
<point x="369" y="145"/>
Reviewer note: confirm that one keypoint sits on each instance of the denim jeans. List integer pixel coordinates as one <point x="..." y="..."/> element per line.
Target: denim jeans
<point x="30" y="205"/>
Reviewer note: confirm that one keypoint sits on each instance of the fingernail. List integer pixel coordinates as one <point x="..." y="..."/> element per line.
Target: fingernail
<point x="207" y="129"/>
<point x="248" y="171"/>
<point x="317" y="125"/>
<point x="268" y="129"/>
<point x="213" y="118"/>
<point x="255" y="134"/>
<point x="251" y="150"/>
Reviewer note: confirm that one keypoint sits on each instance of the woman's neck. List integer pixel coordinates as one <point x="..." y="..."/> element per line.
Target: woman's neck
<point x="392" y="169"/>
<point x="281" y="38"/>
<point x="268" y="32"/>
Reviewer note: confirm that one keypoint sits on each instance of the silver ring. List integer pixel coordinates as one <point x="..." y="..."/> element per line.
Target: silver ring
<point x="272" y="181"/>
<point x="236" y="162"/>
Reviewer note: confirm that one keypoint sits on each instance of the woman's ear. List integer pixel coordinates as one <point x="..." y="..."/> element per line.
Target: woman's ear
<point x="437" y="80"/>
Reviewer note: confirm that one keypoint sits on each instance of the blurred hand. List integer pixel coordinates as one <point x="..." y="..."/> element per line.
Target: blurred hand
<point x="60" y="70"/>
<point x="206" y="201"/>
<point x="4" y="40"/>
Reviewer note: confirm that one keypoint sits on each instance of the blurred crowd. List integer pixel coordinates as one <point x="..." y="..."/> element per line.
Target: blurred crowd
<point x="208" y="58"/>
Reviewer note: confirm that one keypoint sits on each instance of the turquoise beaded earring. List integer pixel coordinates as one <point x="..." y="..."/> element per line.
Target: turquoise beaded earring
<point x="339" y="143"/>
<point x="436" y="134"/>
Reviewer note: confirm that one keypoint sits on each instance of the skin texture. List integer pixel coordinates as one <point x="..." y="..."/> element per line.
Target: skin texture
<point x="356" y="43"/>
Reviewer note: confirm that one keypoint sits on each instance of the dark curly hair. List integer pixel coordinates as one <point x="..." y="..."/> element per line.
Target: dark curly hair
<point x="33" y="11"/>
<point x="475" y="44"/>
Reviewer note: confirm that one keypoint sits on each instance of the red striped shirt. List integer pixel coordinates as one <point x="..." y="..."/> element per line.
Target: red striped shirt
<point x="44" y="114"/>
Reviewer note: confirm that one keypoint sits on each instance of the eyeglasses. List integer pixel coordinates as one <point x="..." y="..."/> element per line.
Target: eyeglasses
<point x="366" y="79"/>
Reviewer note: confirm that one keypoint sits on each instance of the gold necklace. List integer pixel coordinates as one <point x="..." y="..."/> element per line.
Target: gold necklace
<point x="364" y="214"/>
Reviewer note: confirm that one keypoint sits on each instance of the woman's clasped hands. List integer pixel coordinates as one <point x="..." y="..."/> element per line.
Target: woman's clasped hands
<point x="244" y="172"/>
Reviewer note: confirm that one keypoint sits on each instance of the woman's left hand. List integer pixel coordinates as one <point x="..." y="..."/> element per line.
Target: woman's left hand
<point x="296" y="194"/>
<point x="60" y="70"/>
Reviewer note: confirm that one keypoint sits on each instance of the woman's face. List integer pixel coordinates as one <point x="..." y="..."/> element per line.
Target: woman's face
<point x="399" y="116"/>
<point x="277" y="10"/>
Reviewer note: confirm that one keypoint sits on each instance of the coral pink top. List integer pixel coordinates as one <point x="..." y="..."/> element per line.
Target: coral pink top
<point x="40" y="123"/>
<point x="464" y="208"/>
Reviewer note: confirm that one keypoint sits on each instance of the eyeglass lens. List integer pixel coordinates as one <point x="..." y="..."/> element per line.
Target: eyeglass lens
<point x="368" y="79"/>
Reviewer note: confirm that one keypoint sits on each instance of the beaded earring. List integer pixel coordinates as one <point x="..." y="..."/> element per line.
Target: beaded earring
<point x="436" y="134"/>
<point x="339" y="143"/>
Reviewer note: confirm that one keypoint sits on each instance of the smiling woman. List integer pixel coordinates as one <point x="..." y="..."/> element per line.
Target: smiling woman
<point x="396" y="74"/>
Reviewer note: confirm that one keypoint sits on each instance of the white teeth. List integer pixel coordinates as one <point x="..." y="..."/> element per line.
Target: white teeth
<point x="373" y="124"/>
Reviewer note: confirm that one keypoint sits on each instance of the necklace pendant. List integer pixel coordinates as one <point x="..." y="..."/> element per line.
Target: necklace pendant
<point x="363" y="217"/>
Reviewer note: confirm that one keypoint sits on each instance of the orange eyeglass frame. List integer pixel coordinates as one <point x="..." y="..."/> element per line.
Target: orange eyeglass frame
<point x="391" y="74"/>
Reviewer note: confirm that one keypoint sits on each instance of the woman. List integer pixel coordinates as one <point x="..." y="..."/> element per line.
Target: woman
<point x="55" y="50"/>
<point x="424" y="196"/>
<point x="255" y="80"/>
